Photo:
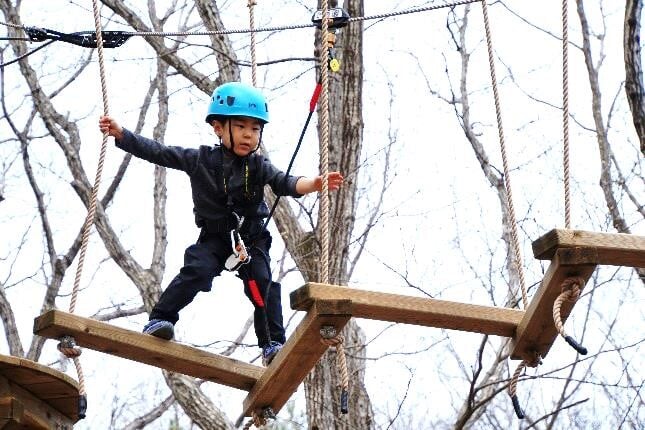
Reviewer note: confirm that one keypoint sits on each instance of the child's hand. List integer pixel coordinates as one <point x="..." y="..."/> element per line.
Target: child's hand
<point x="334" y="181"/>
<point x="111" y="127"/>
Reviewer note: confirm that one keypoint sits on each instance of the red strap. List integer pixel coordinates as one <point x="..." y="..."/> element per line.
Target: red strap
<point x="255" y="293"/>
<point x="314" y="97"/>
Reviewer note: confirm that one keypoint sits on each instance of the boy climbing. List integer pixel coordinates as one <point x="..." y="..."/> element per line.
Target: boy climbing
<point x="227" y="182"/>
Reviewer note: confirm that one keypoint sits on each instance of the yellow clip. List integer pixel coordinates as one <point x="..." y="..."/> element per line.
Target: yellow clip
<point x="334" y="65"/>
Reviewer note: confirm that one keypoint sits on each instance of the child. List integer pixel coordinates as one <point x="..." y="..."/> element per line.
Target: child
<point x="227" y="183"/>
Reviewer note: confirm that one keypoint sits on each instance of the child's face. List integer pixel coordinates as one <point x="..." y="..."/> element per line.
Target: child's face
<point x="245" y="132"/>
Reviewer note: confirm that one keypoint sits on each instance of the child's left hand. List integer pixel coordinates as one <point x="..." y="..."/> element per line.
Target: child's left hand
<point x="334" y="181"/>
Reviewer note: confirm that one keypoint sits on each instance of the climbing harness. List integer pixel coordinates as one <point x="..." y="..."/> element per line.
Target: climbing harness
<point x="240" y="254"/>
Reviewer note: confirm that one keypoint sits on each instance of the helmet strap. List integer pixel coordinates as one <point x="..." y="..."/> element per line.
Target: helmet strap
<point x="230" y="136"/>
<point x="259" y="140"/>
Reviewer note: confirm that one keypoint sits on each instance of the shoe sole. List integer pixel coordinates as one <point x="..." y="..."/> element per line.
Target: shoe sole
<point x="166" y="333"/>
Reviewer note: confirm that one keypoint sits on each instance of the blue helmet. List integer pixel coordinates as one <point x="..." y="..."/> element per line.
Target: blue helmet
<point x="237" y="99"/>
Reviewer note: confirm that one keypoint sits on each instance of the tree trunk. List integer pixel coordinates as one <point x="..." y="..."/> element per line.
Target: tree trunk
<point x="322" y="386"/>
<point x="633" y="69"/>
<point x="606" y="181"/>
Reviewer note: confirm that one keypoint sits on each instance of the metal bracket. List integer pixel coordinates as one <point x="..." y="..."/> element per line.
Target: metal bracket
<point x="85" y="39"/>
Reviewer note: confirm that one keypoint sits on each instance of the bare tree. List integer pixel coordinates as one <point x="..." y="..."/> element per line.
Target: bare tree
<point x="44" y="153"/>
<point x="633" y="69"/>
<point x="147" y="280"/>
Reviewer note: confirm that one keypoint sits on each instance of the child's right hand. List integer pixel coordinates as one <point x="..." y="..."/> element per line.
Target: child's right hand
<point x="111" y="127"/>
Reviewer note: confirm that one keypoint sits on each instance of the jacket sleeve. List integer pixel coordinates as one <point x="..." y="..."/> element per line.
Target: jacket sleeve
<point x="174" y="157"/>
<point x="281" y="183"/>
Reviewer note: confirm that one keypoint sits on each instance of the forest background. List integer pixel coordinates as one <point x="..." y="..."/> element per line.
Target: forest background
<point x="423" y="212"/>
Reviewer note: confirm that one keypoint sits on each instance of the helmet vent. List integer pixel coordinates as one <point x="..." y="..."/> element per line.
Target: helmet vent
<point x="230" y="100"/>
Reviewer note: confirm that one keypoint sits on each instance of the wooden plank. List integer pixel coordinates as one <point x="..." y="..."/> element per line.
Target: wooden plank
<point x="617" y="249"/>
<point x="298" y="356"/>
<point x="50" y="386"/>
<point x="10" y="408"/>
<point x="26" y="411"/>
<point x="414" y="310"/>
<point x="536" y="332"/>
<point x="148" y="349"/>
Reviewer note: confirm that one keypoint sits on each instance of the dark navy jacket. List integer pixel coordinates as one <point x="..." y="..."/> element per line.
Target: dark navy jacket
<point x="220" y="180"/>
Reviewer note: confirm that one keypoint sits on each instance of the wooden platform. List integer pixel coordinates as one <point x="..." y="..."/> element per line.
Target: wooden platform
<point x="413" y="310"/>
<point x="536" y="332"/>
<point x="33" y="396"/>
<point x="298" y="356"/>
<point x="573" y="253"/>
<point x="615" y="249"/>
<point x="148" y="349"/>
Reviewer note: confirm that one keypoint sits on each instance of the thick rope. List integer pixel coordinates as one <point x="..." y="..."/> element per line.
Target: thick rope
<point x="571" y="289"/>
<point x="91" y="213"/>
<point x="324" y="146"/>
<point x="341" y="362"/>
<point x="254" y="63"/>
<point x="512" y="389"/>
<point x="517" y="256"/>
<point x="67" y="346"/>
<point x="565" y="112"/>
<point x="256" y="420"/>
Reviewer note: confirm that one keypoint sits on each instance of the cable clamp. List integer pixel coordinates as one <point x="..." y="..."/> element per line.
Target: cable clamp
<point x="85" y="39"/>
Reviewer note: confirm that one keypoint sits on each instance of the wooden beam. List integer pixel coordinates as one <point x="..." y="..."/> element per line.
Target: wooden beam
<point x="617" y="249"/>
<point x="24" y="410"/>
<point x="148" y="349"/>
<point x="11" y="408"/>
<point x="536" y="332"/>
<point x="50" y="386"/>
<point x="414" y="310"/>
<point x="297" y="357"/>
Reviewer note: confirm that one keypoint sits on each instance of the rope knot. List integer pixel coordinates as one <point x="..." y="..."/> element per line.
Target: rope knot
<point x="67" y="346"/>
<point x="572" y="286"/>
<point x="259" y="420"/>
<point x="331" y="338"/>
<point x="336" y="341"/>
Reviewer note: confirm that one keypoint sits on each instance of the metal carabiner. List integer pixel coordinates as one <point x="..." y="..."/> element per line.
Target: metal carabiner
<point x="240" y="254"/>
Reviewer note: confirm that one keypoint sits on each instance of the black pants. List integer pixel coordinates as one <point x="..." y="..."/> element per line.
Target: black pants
<point x="205" y="260"/>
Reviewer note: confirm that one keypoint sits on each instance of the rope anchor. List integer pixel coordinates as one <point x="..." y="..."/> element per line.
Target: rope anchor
<point x="571" y="288"/>
<point x="67" y="346"/>
<point x="330" y="337"/>
<point x="260" y="420"/>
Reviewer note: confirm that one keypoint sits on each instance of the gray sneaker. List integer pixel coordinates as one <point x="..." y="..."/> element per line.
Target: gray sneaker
<point x="269" y="352"/>
<point x="160" y="328"/>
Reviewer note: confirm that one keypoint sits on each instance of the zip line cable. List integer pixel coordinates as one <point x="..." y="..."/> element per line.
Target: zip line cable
<point x="26" y="54"/>
<point x="128" y="34"/>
